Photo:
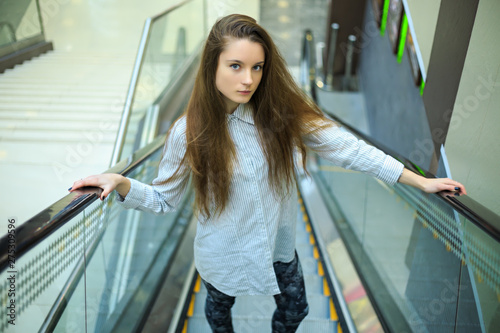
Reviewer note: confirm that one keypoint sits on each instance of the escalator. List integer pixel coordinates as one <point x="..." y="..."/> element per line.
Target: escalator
<point x="254" y="313"/>
<point x="375" y="257"/>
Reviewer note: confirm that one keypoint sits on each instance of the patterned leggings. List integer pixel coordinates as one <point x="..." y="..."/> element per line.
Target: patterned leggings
<point x="291" y="302"/>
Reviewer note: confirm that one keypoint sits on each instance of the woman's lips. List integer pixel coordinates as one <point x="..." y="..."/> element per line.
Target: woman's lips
<point x="244" y="92"/>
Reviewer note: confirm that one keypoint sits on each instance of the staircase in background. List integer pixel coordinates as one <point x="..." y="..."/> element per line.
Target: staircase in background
<point x="59" y="114"/>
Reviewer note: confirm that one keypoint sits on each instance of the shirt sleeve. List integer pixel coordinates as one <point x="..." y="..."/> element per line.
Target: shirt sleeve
<point x="160" y="197"/>
<point x="345" y="150"/>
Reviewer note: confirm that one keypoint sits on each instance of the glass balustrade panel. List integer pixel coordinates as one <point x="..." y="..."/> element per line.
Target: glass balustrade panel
<point x="19" y="21"/>
<point x="479" y="298"/>
<point x="412" y="251"/>
<point x="173" y="39"/>
<point x="129" y="243"/>
<point x="32" y="284"/>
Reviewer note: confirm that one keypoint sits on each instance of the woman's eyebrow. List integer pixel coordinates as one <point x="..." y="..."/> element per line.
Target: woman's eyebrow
<point x="241" y="62"/>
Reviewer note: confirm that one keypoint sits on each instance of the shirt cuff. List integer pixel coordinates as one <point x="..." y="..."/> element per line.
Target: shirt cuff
<point x="391" y="171"/>
<point x="134" y="195"/>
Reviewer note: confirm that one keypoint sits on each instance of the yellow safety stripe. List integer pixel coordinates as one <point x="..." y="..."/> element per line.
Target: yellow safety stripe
<point x="326" y="289"/>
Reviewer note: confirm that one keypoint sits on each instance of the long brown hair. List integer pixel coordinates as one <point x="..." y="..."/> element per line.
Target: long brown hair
<point x="282" y="115"/>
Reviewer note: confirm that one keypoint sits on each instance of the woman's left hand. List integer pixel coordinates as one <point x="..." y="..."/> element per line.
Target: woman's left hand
<point x="431" y="185"/>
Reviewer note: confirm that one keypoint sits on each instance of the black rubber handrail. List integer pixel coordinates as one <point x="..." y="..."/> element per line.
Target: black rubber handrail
<point x="481" y="216"/>
<point x="39" y="227"/>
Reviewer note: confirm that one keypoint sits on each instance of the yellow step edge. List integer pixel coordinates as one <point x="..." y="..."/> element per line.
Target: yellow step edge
<point x="312" y="240"/>
<point x="333" y="312"/>
<point x="339" y="328"/>
<point x="185" y="328"/>
<point x="315" y="253"/>
<point x="308" y="227"/>
<point x="320" y="269"/>
<point x="305" y="218"/>
<point x="326" y="289"/>
<point x="302" y="208"/>
<point x="190" y="311"/>
<point x="197" y="284"/>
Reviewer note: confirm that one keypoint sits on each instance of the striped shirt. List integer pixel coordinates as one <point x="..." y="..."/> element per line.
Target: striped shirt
<point x="235" y="251"/>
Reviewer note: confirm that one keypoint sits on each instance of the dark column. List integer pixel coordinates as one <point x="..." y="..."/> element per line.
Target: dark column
<point x="349" y="15"/>
<point x="449" y="49"/>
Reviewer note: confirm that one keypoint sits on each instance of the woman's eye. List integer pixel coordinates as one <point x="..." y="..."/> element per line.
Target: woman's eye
<point x="235" y="66"/>
<point x="257" y="67"/>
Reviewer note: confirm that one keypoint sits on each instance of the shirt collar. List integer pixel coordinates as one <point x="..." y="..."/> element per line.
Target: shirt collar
<point x="244" y="113"/>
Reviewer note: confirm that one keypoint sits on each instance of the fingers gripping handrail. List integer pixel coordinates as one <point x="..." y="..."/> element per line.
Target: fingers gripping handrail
<point x="481" y="216"/>
<point x="36" y="229"/>
<point x="39" y="227"/>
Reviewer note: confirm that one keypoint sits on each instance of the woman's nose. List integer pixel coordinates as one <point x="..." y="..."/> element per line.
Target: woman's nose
<point x="247" y="78"/>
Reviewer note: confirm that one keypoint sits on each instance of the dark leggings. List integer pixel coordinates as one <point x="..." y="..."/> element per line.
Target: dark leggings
<point x="291" y="302"/>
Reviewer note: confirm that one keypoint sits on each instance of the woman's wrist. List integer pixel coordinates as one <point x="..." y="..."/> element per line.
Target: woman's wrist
<point x="410" y="178"/>
<point x="122" y="185"/>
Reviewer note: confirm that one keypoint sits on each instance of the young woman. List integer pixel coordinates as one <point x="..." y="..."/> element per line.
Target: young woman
<point x="237" y="140"/>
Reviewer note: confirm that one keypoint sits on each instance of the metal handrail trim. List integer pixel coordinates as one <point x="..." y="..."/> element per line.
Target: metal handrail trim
<point x="185" y="293"/>
<point x="166" y="11"/>
<point x="481" y="216"/>
<point x="36" y="229"/>
<point x="127" y="109"/>
<point x="323" y="215"/>
<point x="120" y="137"/>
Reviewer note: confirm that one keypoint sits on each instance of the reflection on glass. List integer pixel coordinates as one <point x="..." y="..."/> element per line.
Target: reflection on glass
<point x="173" y="39"/>
<point x="128" y="245"/>
<point x="73" y="317"/>
<point x="19" y="20"/>
<point x="426" y="271"/>
<point x="377" y="9"/>
<point x="394" y="21"/>
<point x="412" y="54"/>
<point x="482" y="263"/>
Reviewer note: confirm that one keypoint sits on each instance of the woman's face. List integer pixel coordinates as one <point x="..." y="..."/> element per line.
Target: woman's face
<point x="239" y="72"/>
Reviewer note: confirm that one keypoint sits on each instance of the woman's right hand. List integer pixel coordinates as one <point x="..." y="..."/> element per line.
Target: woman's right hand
<point x="107" y="182"/>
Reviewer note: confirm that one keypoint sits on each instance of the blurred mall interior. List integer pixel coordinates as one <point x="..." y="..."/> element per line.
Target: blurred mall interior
<point x="92" y="86"/>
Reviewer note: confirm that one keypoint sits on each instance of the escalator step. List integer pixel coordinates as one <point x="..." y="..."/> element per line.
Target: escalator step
<point x="245" y="324"/>
<point x="302" y="237"/>
<point x="304" y="251"/>
<point x="309" y="265"/>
